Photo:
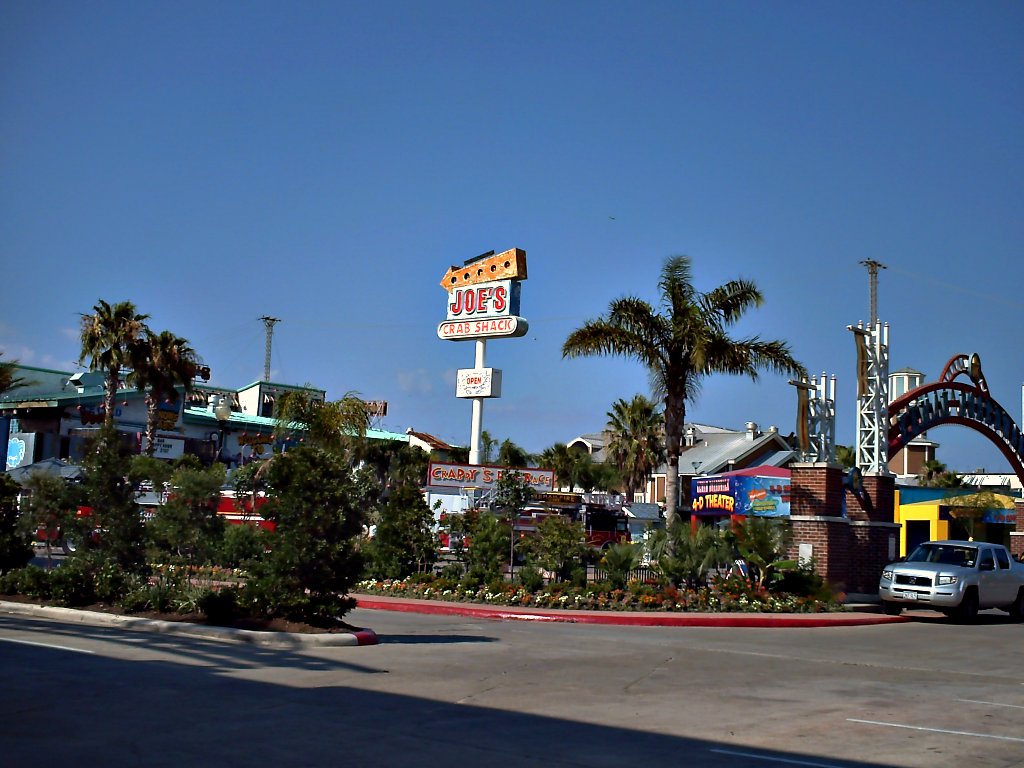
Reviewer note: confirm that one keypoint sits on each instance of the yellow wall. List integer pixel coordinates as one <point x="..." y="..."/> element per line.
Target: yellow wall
<point x="937" y="529"/>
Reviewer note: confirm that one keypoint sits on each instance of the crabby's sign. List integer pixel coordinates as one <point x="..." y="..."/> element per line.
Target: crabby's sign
<point x="482" y="476"/>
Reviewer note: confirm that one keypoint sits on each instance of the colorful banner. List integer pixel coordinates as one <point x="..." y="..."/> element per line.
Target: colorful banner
<point x="741" y="495"/>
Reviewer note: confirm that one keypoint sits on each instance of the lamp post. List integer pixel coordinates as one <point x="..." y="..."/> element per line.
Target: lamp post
<point x="222" y="410"/>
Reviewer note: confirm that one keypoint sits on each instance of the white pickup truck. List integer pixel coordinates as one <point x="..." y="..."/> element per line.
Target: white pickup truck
<point x="955" y="577"/>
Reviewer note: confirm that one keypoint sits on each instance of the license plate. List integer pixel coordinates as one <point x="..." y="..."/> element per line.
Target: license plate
<point x="910" y="595"/>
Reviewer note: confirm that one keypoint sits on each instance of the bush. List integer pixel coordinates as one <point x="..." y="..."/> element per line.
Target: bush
<point x="531" y="578"/>
<point x="220" y="606"/>
<point x="112" y="583"/>
<point x="73" y="584"/>
<point x="242" y="545"/>
<point x="29" y="581"/>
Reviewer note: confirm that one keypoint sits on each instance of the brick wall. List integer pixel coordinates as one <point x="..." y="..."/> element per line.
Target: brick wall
<point x="830" y="547"/>
<point x="1017" y="536"/>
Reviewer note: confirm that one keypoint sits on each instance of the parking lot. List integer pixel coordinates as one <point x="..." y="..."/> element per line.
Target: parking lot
<point x="460" y="690"/>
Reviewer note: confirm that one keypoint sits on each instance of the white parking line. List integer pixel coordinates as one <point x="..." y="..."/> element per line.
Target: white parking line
<point x="45" y="645"/>
<point x="991" y="703"/>
<point x="769" y="758"/>
<point x="936" y="730"/>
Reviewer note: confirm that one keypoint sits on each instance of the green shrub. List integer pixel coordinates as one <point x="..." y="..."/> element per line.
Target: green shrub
<point x="452" y="571"/>
<point x="220" y="606"/>
<point x="73" y="584"/>
<point x="111" y="582"/>
<point x="242" y="545"/>
<point x="531" y="578"/>
<point x="31" y="582"/>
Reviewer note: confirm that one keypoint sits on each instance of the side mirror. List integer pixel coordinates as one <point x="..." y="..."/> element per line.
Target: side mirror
<point x="988" y="565"/>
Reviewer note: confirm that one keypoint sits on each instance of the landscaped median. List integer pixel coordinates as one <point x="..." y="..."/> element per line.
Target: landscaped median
<point x="639" y="605"/>
<point x="183" y="626"/>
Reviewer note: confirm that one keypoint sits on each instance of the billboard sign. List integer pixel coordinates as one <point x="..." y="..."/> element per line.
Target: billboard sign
<point x="484" y="476"/>
<point x="496" y="299"/>
<point x="741" y="495"/>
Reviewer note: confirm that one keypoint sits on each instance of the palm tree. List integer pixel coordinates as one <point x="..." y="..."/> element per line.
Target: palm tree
<point x="110" y="339"/>
<point x="9" y="378"/>
<point x="334" y="425"/>
<point x="686" y="343"/>
<point x="165" y="363"/>
<point x="634" y="440"/>
<point x="512" y="455"/>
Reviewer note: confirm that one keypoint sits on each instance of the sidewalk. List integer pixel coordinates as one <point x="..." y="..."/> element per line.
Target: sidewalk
<point x="858" y="614"/>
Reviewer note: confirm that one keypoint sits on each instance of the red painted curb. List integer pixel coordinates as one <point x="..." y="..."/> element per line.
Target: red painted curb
<point x="366" y="637"/>
<point x="634" y="619"/>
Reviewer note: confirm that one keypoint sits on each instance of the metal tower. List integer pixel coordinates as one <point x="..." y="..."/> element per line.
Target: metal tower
<point x="872" y="397"/>
<point x="268" y="323"/>
<point x="873" y="267"/>
<point x="816" y="419"/>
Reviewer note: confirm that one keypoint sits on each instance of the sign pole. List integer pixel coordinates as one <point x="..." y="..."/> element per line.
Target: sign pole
<point x="478" y="407"/>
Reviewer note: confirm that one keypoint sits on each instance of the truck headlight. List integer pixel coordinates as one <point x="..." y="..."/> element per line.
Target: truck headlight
<point x="947" y="579"/>
<point x="887" y="575"/>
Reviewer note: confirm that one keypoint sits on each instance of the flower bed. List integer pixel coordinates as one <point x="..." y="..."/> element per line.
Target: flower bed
<point x="722" y="595"/>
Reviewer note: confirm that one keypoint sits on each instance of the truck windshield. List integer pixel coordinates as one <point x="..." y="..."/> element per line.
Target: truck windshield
<point x="945" y="554"/>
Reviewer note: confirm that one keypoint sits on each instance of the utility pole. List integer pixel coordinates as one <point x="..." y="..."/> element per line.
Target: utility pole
<point x="268" y="323"/>
<point x="873" y="267"/>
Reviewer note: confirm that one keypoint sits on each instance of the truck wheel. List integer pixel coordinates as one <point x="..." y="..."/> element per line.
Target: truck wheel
<point x="1016" y="608"/>
<point x="968" y="609"/>
<point x="891" y="609"/>
<point x="69" y="545"/>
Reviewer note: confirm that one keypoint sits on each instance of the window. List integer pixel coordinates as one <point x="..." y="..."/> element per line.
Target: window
<point x="1002" y="558"/>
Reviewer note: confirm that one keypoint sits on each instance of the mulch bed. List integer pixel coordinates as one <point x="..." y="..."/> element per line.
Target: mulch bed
<point x="250" y="623"/>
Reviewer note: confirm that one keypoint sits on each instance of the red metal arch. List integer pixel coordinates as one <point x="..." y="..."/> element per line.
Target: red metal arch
<point x="899" y="439"/>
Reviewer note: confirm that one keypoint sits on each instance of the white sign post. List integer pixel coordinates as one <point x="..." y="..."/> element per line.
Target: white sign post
<point x="483" y="302"/>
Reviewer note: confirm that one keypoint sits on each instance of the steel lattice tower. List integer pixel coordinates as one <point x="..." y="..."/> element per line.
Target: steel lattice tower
<point x="268" y="323"/>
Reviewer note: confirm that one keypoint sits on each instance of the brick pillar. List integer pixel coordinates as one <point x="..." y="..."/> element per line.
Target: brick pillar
<point x="874" y="537"/>
<point x="1017" y="535"/>
<point x="816" y="516"/>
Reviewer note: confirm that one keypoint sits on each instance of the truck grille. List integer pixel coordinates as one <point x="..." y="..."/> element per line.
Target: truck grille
<point x="914" y="581"/>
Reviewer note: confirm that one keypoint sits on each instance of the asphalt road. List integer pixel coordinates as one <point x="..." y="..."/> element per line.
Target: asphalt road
<point x="464" y="692"/>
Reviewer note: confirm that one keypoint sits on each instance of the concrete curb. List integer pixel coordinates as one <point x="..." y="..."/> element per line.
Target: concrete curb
<point x="623" y="618"/>
<point x="187" y="629"/>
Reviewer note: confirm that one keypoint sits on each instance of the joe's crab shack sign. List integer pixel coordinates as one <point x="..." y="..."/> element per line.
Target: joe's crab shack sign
<point x="484" y="476"/>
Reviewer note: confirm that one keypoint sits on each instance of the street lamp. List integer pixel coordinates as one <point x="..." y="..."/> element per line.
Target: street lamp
<point x="222" y="410"/>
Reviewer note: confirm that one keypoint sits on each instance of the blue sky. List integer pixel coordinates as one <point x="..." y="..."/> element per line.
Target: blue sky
<point x="326" y="162"/>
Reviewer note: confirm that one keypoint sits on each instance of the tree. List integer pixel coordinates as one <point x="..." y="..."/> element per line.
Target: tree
<point x="682" y="345"/>
<point x="846" y="456"/>
<point x="404" y="542"/>
<point x="52" y="507"/>
<point x="487" y="446"/>
<point x="686" y="555"/>
<point x="186" y="527"/>
<point x="9" y="378"/>
<point x="332" y="426"/>
<point x="164" y="362"/>
<point x="634" y="441"/>
<point x="512" y="455"/>
<point x="111" y="496"/>
<point x="110" y="338"/>
<point x="316" y="503"/>
<point x="511" y="496"/>
<point x="560" y="545"/>
<point x="934" y="474"/>
<point x="763" y="543"/>
<point x="15" y="549"/>
<point x="618" y="560"/>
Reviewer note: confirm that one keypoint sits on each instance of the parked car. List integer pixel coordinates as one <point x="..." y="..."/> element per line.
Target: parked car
<point x="955" y="577"/>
